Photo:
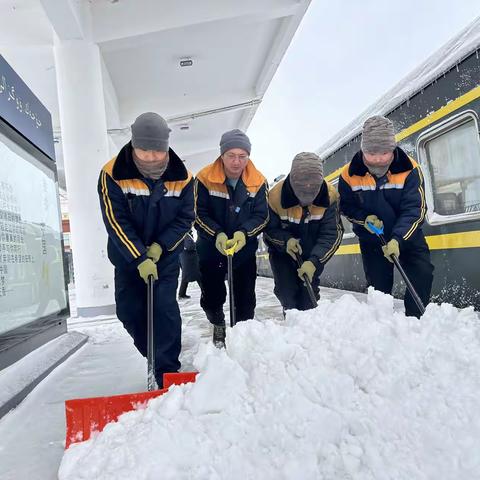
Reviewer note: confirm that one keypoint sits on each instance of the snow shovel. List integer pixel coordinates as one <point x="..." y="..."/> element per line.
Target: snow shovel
<point x="84" y="416"/>
<point x="151" y="383"/>
<point x="411" y="289"/>
<point x="307" y="282"/>
<point x="230" y="251"/>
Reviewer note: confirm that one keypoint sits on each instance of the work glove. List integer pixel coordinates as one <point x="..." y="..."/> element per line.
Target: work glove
<point x="293" y="246"/>
<point x="238" y="239"/>
<point x="147" y="268"/>
<point x="221" y="243"/>
<point x="391" y="248"/>
<point x="375" y="221"/>
<point x="154" y="251"/>
<point x="308" y="268"/>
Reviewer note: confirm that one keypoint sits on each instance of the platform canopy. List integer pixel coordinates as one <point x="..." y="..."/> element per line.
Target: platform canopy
<point x="204" y="65"/>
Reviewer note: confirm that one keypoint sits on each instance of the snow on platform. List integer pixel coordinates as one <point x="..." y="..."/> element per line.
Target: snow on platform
<point x="353" y="391"/>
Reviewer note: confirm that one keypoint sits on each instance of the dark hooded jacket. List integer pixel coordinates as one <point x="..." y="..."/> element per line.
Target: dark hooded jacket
<point x="138" y="211"/>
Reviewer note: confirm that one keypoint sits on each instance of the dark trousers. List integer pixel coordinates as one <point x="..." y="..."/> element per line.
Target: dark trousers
<point x="214" y="291"/>
<point x="289" y="288"/>
<point x="131" y="302"/>
<point x="415" y="260"/>
<point x="182" y="291"/>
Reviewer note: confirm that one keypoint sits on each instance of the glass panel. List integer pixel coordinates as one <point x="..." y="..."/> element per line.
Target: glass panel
<point x="454" y="161"/>
<point x="31" y="262"/>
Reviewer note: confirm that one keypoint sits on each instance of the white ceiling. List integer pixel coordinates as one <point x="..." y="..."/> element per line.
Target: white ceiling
<point x="235" y="47"/>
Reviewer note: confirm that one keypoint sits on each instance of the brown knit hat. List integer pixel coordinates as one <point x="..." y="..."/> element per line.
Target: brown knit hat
<point x="306" y="177"/>
<point x="378" y="135"/>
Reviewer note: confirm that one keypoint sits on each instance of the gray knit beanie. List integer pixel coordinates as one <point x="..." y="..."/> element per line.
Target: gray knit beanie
<point x="306" y="177"/>
<point x="235" y="139"/>
<point x="150" y="132"/>
<point x="378" y="135"/>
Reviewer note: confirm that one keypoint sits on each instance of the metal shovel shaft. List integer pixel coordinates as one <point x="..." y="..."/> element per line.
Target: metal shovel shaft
<point x="231" y="297"/>
<point x="306" y="282"/>
<point x="408" y="283"/>
<point x="151" y="384"/>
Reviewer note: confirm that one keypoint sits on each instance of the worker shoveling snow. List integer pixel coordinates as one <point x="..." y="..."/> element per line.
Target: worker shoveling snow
<point x="349" y="390"/>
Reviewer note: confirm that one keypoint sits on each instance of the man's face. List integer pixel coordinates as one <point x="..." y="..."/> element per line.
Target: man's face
<point x="151" y="156"/>
<point x="379" y="160"/>
<point x="234" y="162"/>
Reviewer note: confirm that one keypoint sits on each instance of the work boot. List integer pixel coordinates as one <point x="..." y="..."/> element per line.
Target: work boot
<point x="219" y="336"/>
<point x="217" y="318"/>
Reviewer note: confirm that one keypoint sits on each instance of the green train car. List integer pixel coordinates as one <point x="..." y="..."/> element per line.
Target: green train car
<point x="435" y="111"/>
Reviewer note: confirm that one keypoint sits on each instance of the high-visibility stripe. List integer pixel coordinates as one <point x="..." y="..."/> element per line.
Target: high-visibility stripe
<point x="352" y="249"/>
<point x="446" y="241"/>
<point x="171" y="249"/>
<point x="263" y="225"/>
<point x="197" y="218"/>
<point x="454" y="240"/>
<point x="423" y="209"/>
<point x="113" y="222"/>
<point x="332" y="250"/>
<point x="459" y="102"/>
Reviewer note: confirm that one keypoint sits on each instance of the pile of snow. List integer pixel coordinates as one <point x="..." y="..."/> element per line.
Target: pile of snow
<point x="348" y="391"/>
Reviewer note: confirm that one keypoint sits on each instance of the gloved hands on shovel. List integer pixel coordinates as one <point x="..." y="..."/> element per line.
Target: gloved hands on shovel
<point x="221" y="242"/>
<point x="239" y="240"/>
<point x="375" y="221"/>
<point x="293" y="247"/>
<point x="308" y="268"/>
<point x="147" y="268"/>
<point x="391" y="248"/>
<point x="154" y="251"/>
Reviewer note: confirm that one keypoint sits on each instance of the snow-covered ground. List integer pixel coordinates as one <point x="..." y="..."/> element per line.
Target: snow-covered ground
<point x="353" y="390"/>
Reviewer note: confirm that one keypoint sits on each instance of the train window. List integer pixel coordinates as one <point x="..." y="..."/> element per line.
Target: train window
<point x="450" y="156"/>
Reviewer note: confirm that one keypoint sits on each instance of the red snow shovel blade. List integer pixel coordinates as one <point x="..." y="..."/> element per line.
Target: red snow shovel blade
<point x="85" y="416"/>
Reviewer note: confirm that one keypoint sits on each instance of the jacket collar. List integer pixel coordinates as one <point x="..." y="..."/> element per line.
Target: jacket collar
<point x="401" y="163"/>
<point x="125" y="168"/>
<point x="251" y="177"/>
<point x="289" y="199"/>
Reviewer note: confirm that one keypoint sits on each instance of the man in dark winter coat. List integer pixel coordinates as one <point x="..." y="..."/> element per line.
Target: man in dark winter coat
<point x="146" y="197"/>
<point x="189" y="264"/>
<point x="231" y="209"/>
<point x="382" y="186"/>
<point x="304" y="220"/>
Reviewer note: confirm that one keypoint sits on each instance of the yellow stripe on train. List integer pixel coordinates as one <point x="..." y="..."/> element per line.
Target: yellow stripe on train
<point x="435" y="242"/>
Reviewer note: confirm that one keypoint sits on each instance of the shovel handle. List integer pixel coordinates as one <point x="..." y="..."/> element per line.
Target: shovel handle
<point x="151" y="384"/>
<point x="306" y="281"/>
<point x="231" y="296"/>
<point x="408" y="283"/>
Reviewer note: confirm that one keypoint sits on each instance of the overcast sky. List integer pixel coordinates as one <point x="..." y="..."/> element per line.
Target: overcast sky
<point x="344" y="56"/>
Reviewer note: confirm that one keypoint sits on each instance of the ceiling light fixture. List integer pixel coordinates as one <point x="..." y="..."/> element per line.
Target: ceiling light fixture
<point x="186" y="62"/>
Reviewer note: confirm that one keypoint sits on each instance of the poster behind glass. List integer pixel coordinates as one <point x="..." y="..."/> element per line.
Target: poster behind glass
<point x="32" y="281"/>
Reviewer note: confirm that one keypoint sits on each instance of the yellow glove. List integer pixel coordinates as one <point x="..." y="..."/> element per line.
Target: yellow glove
<point x="147" y="268"/>
<point x="293" y="246"/>
<point x="238" y="239"/>
<point x="154" y="251"/>
<point x="391" y="248"/>
<point x="221" y="243"/>
<point x="308" y="268"/>
<point x="375" y="221"/>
